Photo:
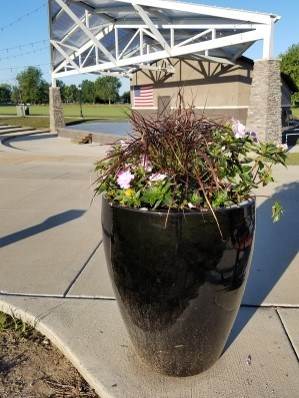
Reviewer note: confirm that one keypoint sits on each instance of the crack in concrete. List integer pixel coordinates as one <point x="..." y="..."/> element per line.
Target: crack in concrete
<point x="110" y="298"/>
<point x="270" y="305"/>
<point x="287" y="334"/>
<point x="56" y="296"/>
<point x="82" y="269"/>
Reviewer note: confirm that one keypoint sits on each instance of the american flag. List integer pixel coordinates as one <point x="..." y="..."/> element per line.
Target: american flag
<point x="144" y="96"/>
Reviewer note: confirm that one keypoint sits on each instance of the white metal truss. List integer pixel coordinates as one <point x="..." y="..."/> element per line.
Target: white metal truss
<point x="132" y="34"/>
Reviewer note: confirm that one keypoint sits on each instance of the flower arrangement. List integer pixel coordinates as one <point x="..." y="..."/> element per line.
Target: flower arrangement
<point x="180" y="162"/>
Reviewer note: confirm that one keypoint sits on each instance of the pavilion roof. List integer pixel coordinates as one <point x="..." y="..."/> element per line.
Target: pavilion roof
<point x="120" y="36"/>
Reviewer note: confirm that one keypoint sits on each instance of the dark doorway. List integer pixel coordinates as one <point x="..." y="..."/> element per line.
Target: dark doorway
<point x="163" y="104"/>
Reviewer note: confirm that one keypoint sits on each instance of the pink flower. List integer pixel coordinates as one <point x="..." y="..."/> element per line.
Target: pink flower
<point x="124" y="177"/>
<point x="157" y="177"/>
<point x="124" y="144"/>
<point x="239" y="129"/>
<point x="146" y="164"/>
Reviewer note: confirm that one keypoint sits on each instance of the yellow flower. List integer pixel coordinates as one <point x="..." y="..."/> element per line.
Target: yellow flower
<point x="129" y="192"/>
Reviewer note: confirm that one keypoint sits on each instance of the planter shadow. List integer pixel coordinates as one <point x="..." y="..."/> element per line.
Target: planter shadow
<point x="49" y="223"/>
<point x="276" y="245"/>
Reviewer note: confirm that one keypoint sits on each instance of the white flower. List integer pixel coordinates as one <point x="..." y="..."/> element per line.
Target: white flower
<point x="239" y="129"/>
<point x="124" y="177"/>
<point x="191" y="206"/>
<point x="157" y="177"/>
<point x="284" y="147"/>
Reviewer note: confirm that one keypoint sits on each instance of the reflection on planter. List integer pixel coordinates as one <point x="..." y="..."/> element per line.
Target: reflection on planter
<point x="178" y="284"/>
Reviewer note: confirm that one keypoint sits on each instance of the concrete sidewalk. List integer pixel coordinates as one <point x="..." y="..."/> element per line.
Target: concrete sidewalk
<point x="53" y="273"/>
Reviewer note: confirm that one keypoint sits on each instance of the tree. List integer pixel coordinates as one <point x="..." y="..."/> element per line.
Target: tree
<point x="29" y="82"/>
<point x="61" y="85"/>
<point x="5" y="93"/>
<point x="126" y="97"/>
<point x="107" y="88"/>
<point x="88" y="92"/>
<point x="43" y="92"/>
<point x="71" y="93"/>
<point x="290" y="66"/>
<point x="15" y="95"/>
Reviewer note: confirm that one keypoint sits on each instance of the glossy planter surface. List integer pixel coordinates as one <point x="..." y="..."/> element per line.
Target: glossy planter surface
<point x="178" y="284"/>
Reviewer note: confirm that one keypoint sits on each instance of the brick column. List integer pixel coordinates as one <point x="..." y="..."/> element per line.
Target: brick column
<point x="56" y="109"/>
<point x="264" y="114"/>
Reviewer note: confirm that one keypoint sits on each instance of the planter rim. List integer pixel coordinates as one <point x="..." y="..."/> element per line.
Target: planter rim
<point x="186" y="212"/>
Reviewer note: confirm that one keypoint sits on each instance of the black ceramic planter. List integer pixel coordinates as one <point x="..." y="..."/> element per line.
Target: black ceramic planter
<point x="178" y="284"/>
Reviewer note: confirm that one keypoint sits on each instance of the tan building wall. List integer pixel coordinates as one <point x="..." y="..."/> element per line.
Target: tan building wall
<point x="219" y="91"/>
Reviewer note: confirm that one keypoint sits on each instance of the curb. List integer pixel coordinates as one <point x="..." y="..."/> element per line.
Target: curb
<point x="14" y="136"/>
<point x="99" y="138"/>
<point x="40" y="326"/>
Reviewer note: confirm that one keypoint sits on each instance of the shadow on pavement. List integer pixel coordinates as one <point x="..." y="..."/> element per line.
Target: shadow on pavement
<point x="275" y="247"/>
<point x="81" y="121"/>
<point x="51" y="222"/>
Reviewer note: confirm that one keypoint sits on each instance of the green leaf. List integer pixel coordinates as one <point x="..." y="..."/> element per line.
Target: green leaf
<point x="277" y="212"/>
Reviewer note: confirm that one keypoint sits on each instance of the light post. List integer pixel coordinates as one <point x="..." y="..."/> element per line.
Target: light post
<point x="80" y="101"/>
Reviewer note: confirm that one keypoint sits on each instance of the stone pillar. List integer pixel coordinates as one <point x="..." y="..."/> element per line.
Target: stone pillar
<point x="264" y="113"/>
<point x="56" y="110"/>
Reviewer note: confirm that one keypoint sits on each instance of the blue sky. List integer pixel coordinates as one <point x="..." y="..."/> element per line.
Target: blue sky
<point x="35" y="28"/>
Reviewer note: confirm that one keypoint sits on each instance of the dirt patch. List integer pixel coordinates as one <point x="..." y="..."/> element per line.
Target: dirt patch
<point x="31" y="367"/>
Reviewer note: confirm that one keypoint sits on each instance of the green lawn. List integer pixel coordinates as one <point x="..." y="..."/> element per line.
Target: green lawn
<point x="34" y="122"/>
<point x="295" y="112"/>
<point x="293" y="159"/>
<point x="37" y="122"/>
<point x="108" y="112"/>
<point x="39" y="114"/>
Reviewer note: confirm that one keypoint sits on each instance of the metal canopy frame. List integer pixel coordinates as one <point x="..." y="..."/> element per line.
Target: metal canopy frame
<point x="118" y="37"/>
